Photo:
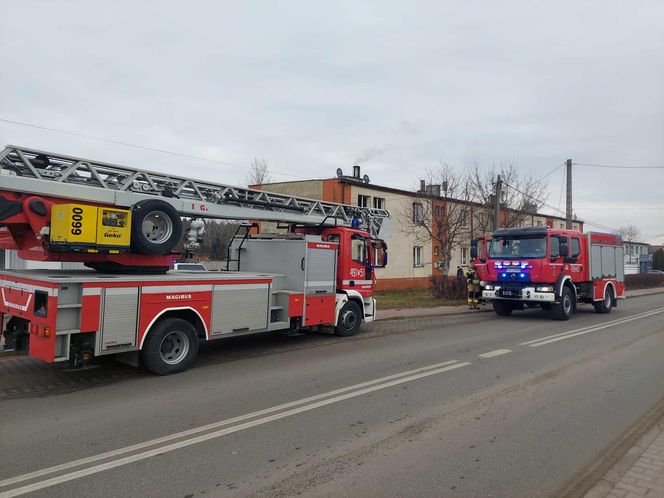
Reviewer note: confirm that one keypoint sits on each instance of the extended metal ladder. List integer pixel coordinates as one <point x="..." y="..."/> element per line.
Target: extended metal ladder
<point x="45" y="173"/>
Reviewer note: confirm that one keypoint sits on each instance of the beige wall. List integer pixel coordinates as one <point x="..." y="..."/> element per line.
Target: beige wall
<point x="311" y="189"/>
<point x="400" y="243"/>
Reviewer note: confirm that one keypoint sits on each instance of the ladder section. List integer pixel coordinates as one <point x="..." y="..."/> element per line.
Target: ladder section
<point x="44" y="173"/>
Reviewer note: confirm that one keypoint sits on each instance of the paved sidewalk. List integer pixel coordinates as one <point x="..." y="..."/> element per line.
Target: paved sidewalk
<point x="639" y="473"/>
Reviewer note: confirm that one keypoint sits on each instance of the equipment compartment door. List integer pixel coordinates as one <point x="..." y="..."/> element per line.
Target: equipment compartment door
<point x="320" y="275"/>
<point x="119" y="318"/>
<point x="239" y="308"/>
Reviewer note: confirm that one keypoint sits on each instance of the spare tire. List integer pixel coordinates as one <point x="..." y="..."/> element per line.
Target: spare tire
<point x="156" y="227"/>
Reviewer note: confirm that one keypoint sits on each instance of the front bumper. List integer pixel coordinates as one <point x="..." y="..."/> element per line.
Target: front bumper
<point x="523" y="294"/>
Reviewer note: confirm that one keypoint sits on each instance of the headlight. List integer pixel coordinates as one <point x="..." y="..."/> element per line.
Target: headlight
<point x="488" y="287"/>
<point x="544" y="288"/>
<point x="482" y="283"/>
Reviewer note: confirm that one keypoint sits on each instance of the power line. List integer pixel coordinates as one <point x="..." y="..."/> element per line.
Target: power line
<point x="616" y="166"/>
<point x="622" y="209"/>
<point x="588" y="222"/>
<point x="560" y="197"/>
<point x="142" y="147"/>
<point x="552" y="171"/>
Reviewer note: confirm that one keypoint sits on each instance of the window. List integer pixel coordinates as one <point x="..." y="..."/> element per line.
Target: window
<point x="363" y="201"/>
<point x="417" y="256"/>
<point x="464" y="218"/>
<point x="539" y="223"/>
<point x="464" y="255"/>
<point x="417" y="212"/>
<point x="555" y="247"/>
<point x="508" y="247"/>
<point x="379" y="203"/>
<point x="41" y="303"/>
<point x="562" y="226"/>
<point x="576" y="247"/>
<point x="358" y="251"/>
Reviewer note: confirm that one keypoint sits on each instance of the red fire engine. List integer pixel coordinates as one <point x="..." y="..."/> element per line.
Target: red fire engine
<point x="552" y="269"/>
<point x="125" y="223"/>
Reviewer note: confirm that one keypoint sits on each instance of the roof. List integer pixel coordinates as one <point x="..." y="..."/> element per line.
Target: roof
<point x="348" y="180"/>
<point x="507" y="232"/>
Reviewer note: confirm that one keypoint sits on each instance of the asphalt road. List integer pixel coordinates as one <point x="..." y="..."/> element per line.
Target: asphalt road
<point x="474" y="405"/>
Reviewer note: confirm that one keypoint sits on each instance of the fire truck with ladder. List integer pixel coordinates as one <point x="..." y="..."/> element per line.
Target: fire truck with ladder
<point x="554" y="269"/>
<point x="126" y="225"/>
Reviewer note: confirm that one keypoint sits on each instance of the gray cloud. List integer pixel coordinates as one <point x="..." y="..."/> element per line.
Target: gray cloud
<point x="308" y="85"/>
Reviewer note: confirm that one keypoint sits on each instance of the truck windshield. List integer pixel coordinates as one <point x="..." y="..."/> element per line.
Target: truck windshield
<point x="517" y="247"/>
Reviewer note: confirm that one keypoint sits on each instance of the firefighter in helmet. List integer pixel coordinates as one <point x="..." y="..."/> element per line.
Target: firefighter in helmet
<point x="473" y="286"/>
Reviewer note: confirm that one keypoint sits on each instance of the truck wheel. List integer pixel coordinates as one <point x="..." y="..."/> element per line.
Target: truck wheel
<point x="170" y="347"/>
<point x="561" y="310"/>
<point x="604" y="306"/>
<point x="156" y="227"/>
<point x="502" y="308"/>
<point x="349" y="321"/>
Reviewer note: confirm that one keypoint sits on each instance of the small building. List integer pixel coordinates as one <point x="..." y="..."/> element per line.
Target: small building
<point x="638" y="257"/>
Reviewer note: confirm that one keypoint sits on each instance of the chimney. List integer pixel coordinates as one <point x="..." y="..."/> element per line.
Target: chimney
<point x="423" y="186"/>
<point x="356" y="171"/>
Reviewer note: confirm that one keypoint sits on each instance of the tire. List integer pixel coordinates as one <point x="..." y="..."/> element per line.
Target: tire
<point x="349" y="321"/>
<point x="156" y="228"/>
<point x="604" y="306"/>
<point x="562" y="310"/>
<point x="170" y="347"/>
<point x="502" y="308"/>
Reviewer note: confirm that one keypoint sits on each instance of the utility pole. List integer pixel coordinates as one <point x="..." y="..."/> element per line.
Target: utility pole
<point x="496" y="208"/>
<point x="568" y="213"/>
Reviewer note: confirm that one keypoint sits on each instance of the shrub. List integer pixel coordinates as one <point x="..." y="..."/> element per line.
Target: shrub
<point x="444" y="287"/>
<point x="643" y="281"/>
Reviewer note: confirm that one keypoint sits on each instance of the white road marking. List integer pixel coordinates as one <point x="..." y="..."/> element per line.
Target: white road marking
<point x="332" y="397"/>
<point x="616" y="322"/>
<point x="588" y="330"/>
<point x="497" y="352"/>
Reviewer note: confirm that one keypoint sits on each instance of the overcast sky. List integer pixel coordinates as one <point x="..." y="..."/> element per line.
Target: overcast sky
<point x="312" y="86"/>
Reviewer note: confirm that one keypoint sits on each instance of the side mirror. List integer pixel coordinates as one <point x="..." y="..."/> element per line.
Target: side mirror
<point x="473" y="248"/>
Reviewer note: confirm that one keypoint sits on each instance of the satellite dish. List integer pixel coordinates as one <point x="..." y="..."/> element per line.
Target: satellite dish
<point x="365" y="178"/>
<point x="340" y="173"/>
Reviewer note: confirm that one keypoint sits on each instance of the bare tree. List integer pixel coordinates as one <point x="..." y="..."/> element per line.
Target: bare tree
<point x="259" y="172"/>
<point x="218" y="236"/>
<point x="523" y="195"/>
<point x="630" y="233"/>
<point x="440" y="214"/>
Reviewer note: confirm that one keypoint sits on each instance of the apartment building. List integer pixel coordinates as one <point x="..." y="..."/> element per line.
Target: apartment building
<point x="412" y="258"/>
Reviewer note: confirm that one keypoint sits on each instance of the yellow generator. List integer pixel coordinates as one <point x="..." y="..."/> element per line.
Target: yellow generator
<point x="83" y="228"/>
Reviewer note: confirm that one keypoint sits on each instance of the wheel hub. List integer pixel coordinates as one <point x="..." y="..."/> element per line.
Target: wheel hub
<point x="157" y="227"/>
<point x="174" y="347"/>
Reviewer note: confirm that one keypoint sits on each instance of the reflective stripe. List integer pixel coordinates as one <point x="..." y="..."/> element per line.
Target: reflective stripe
<point x="21" y="307"/>
<point x="358" y="282"/>
<point x="92" y="291"/>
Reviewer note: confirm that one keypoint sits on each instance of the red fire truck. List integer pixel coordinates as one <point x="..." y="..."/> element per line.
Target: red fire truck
<point x="552" y="269"/>
<point x="125" y="224"/>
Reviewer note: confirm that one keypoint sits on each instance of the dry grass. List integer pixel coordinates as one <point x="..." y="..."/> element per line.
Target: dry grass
<point x="410" y="298"/>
